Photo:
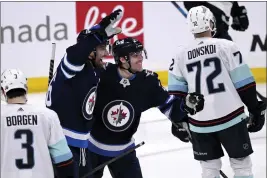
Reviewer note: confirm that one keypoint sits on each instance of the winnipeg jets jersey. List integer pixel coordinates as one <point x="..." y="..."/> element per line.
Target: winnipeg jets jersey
<point x="216" y="69"/>
<point x="30" y="137"/>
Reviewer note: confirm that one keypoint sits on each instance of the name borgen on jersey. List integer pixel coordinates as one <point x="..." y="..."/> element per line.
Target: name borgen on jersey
<point x="216" y="69"/>
<point x="30" y="137"/>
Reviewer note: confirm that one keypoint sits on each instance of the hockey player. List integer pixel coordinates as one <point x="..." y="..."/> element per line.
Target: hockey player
<point x="222" y="12"/>
<point x="215" y="68"/>
<point x="30" y="135"/>
<point x="124" y="92"/>
<point x="72" y="91"/>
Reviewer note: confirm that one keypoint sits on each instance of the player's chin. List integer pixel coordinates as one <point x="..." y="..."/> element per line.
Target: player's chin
<point x="99" y="63"/>
<point x="137" y="68"/>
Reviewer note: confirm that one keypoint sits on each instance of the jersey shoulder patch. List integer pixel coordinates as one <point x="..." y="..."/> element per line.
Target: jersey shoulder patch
<point x="148" y="73"/>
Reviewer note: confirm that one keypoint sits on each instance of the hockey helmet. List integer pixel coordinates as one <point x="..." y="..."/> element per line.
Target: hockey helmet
<point x="13" y="79"/>
<point x="201" y="19"/>
<point x="126" y="46"/>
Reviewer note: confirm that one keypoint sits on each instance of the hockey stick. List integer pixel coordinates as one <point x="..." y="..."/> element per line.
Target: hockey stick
<point x="52" y="60"/>
<point x="221" y="172"/>
<point x="179" y="8"/>
<point x="113" y="159"/>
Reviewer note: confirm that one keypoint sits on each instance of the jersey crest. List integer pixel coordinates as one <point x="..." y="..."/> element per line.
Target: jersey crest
<point x="89" y="104"/>
<point x="118" y="115"/>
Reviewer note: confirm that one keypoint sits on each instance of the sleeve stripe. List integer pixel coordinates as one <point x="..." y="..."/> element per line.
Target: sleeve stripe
<point x="173" y="78"/>
<point x="70" y="66"/>
<point x="244" y="82"/>
<point x="182" y="88"/>
<point x="62" y="158"/>
<point x="60" y="151"/>
<point x="246" y="87"/>
<point x="177" y="93"/>
<point x="177" y="83"/>
<point x="68" y="76"/>
<point x="169" y="100"/>
<point x="65" y="164"/>
<point x="240" y="73"/>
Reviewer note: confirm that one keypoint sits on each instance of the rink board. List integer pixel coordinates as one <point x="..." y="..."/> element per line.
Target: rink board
<point x="26" y="38"/>
<point x="41" y="84"/>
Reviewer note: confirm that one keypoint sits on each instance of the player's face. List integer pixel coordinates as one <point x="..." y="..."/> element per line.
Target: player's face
<point x="136" y="60"/>
<point x="101" y="52"/>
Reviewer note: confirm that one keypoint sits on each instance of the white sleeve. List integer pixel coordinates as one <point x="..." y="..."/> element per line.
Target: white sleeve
<point x="57" y="143"/>
<point x="177" y="84"/>
<point x="239" y="71"/>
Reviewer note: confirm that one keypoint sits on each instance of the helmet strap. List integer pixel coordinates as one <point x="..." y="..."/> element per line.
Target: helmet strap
<point x="130" y="67"/>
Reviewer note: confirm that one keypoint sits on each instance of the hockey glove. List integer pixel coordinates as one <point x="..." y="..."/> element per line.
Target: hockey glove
<point x="181" y="131"/>
<point x="257" y="119"/>
<point x="240" y="18"/>
<point x="193" y="103"/>
<point x="104" y="30"/>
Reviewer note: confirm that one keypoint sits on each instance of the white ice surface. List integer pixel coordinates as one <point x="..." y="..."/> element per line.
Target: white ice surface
<point x="164" y="156"/>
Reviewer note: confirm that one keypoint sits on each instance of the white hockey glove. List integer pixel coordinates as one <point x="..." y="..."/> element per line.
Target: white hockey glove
<point x="104" y="30"/>
<point x="194" y="103"/>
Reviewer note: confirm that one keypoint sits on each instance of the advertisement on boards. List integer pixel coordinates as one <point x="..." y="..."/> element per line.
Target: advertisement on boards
<point x="26" y="38"/>
<point x="90" y="13"/>
<point x="28" y="30"/>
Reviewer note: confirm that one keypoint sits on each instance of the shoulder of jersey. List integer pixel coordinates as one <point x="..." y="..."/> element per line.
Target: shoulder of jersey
<point x="179" y="51"/>
<point x="224" y="42"/>
<point x="108" y="65"/>
<point x="45" y="111"/>
<point x="149" y="74"/>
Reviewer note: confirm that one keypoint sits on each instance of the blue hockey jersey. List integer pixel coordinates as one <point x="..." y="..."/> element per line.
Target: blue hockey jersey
<point x="72" y="92"/>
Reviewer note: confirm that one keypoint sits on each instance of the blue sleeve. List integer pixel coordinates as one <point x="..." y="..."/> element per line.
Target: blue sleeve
<point x="173" y="108"/>
<point x="241" y="76"/>
<point x="76" y="56"/>
<point x="177" y="84"/>
<point x="60" y="151"/>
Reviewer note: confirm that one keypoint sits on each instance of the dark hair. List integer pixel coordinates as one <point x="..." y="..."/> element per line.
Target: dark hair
<point x="15" y="93"/>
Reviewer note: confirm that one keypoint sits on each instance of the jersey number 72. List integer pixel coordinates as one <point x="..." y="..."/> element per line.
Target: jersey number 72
<point x="209" y="80"/>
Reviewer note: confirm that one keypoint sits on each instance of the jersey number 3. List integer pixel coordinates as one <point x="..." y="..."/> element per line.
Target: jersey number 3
<point x="29" y="149"/>
<point x="209" y="80"/>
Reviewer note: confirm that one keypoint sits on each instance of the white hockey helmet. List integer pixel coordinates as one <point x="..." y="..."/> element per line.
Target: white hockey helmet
<point x="201" y="19"/>
<point x="13" y="79"/>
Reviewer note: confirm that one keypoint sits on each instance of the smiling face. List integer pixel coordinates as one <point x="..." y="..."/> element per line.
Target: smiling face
<point x="136" y="61"/>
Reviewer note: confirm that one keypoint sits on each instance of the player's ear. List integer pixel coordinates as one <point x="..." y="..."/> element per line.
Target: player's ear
<point x="92" y="55"/>
<point x="123" y="60"/>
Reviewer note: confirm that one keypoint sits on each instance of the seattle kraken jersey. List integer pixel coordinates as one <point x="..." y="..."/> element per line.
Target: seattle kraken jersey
<point x="118" y="109"/>
<point x="216" y="69"/>
<point x="71" y="93"/>
<point x="30" y="137"/>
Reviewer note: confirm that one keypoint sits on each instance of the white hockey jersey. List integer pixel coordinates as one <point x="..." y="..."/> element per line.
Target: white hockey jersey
<point x="216" y="69"/>
<point x="30" y="137"/>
